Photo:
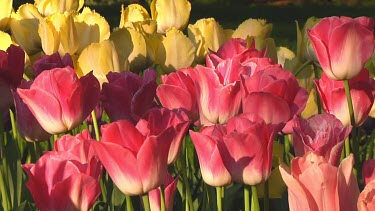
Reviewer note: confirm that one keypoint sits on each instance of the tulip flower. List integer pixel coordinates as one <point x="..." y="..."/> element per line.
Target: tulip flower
<point x="274" y="94"/>
<point x="5" y="12"/>
<point x="136" y="163"/>
<point x="5" y="41"/>
<point x="211" y="161"/>
<point x="23" y="25"/>
<point x="314" y="184"/>
<point x="27" y="125"/>
<point x="48" y="7"/>
<point x="128" y="95"/>
<point x="343" y="45"/>
<point x="177" y="91"/>
<point x="323" y="134"/>
<point x="170" y="185"/>
<point x="68" y="178"/>
<point x="101" y="58"/>
<point x="253" y="28"/>
<point x="59" y="100"/>
<point x="305" y="50"/>
<point x="136" y="17"/>
<point x="48" y="62"/>
<point x="12" y="63"/>
<point x="170" y="14"/>
<point x="333" y="98"/>
<point x="368" y="171"/>
<point x="207" y="35"/>
<point x="159" y="119"/>
<point x="366" y="200"/>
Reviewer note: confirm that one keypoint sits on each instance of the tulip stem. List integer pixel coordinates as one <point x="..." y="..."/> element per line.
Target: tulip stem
<point x="299" y="70"/>
<point x="266" y="197"/>
<point x="14" y="126"/>
<point x="254" y="199"/>
<point x="350" y="102"/>
<point x="318" y="101"/>
<point x="246" y="195"/>
<point x="95" y="122"/>
<point x="219" y="199"/>
<point x="129" y="204"/>
<point x="162" y="197"/>
<point x="146" y="202"/>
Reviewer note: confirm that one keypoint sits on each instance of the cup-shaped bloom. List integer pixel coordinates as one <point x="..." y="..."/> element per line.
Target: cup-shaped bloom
<point x="28" y="127"/>
<point x="136" y="163"/>
<point x="67" y="178"/>
<point x="48" y="7"/>
<point x="60" y="100"/>
<point x="23" y="25"/>
<point x="177" y="91"/>
<point x="253" y="28"/>
<point x="343" y="45"/>
<point x="135" y="15"/>
<point x="170" y="14"/>
<point x="207" y="35"/>
<point x="48" y="62"/>
<point x="211" y="162"/>
<point x="12" y="63"/>
<point x="128" y="95"/>
<point x="368" y="171"/>
<point x="273" y="94"/>
<point x="157" y="120"/>
<point x="314" y="184"/>
<point x="333" y="97"/>
<point x="5" y="11"/>
<point x="246" y="149"/>
<point x="170" y="185"/>
<point x="305" y="50"/>
<point x="366" y="200"/>
<point x="322" y="133"/>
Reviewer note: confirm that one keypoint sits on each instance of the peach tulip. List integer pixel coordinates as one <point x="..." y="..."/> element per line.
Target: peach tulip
<point x="170" y="185"/>
<point x="366" y="200"/>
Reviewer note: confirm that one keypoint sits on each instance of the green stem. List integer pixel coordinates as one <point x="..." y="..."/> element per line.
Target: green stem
<point x="254" y="199"/>
<point x="219" y="199"/>
<point x="350" y="102"/>
<point x="299" y="70"/>
<point x="146" y="202"/>
<point x="96" y="127"/>
<point x="162" y="198"/>
<point x="286" y="149"/>
<point x="246" y="195"/>
<point x="347" y="147"/>
<point x="14" y="126"/>
<point x="129" y="204"/>
<point x="318" y="102"/>
<point x="189" y="202"/>
<point x="266" y="198"/>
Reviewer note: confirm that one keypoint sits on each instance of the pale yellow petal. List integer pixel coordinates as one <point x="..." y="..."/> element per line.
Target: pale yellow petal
<point x="311" y="105"/>
<point x="69" y="41"/>
<point x="49" y="36"/>
<point x="133" y="13"/>
<point x="170" y="13"/>
<point x="48" y="7"/>
<point x="101" y="58"/>
<point x="253" y="28"/>
<point x="176" y="52"/>
<point x="284" y="53"/>
<point x="5" y="12"/>
<point x="5" y="41"/>
<point x="24" y="28"/>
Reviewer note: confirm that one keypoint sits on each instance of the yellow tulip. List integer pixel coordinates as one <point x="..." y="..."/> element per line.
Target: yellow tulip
<point x="311" y="105"/>
<point x="176" y="51"/>
<point x="49" y="36"/>
<point x="206" y="34"/>
<point x="170" y="13"/>
<point x="253" y="28"/>
<point x="283" y="54"/>
<point x="131" y="49"/>
<point x="101" y="58"/>
<point x="133" y="13"/>
<point x="48" y="7"/>
<point x="305" y="51"/>
<point x="5" y="41"/>
<point x="91" y="28"/>
<point x="5" y="12"/>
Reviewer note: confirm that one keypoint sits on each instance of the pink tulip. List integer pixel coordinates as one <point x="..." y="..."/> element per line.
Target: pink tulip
<point x="170" y="185"/>
<point x="136" y="163"/>
<point x="177" y="91"/>
<point x="65" y="179"/>
<point x="28" y="127"/>
<point x="368" y="171"/>
<point x="60" y="100"/>
<point x="273" y="94"/>
<point x="333" y="97"/>
<point x="48" y="62"/>
<point x="246" y="149"/>
<point x="211" y="161"/>
<point x="128" y="96"/>
<point x="156" y="120"/>
<point x="322" y="133"/>
<point x="12" y="64"/>
<point x="314" y="184"/>
<point x="343" y="45"/>
<point x="366" y="200"/>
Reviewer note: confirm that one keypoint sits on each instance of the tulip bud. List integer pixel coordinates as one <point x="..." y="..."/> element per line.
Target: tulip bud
<point x="48" y="7"/>
<point x="5" y="11"/>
